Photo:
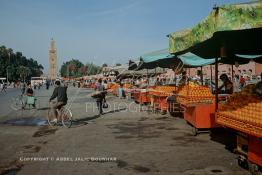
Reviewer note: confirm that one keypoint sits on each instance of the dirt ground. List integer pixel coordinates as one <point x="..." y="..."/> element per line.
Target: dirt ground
<point x="120" y="142"/>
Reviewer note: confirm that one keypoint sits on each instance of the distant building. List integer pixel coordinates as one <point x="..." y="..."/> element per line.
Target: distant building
<point x="52" y="72"/>
<point x="250" y="69"/>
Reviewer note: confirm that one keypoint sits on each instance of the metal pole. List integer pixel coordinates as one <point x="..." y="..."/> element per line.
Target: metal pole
<point x="175" y="77"/>
<point x="7" y="68"/>
<point x="211" y="78"/>
<point x="202" y="83"/>
<point x="216" y="82"/>
<point x="189" y="74"/>
<point x="147" y="76"/>
<point x="7" y="74"/>
<point x="233" y="82"/>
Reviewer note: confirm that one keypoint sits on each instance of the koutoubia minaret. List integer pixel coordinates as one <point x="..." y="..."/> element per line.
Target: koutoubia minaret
<point x="52" y="73"/>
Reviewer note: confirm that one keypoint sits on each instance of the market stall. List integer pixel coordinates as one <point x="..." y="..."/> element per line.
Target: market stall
<point x="235" y="30"/>
<point x="158" y="97"/>
<point x="164" y="59"/>
<point x="141" y="96"/>
<point x="199" y="104"/>
<point x="245" y="116"/>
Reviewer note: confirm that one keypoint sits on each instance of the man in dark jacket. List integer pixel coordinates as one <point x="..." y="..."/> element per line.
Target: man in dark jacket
<point x="61" y="95"/>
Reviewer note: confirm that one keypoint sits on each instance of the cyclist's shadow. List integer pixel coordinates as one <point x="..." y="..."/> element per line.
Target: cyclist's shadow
<point x="84" y="121"/>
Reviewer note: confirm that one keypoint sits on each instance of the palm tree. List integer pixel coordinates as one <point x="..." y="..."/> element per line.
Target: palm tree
<point x="24" y="72"/>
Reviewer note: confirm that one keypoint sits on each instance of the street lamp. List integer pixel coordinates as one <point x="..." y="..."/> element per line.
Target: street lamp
<point x="7" y="68"/>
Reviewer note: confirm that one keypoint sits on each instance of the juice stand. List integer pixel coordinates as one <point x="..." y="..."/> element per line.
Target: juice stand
<point x="234" y="33"/>
<point x="199" y="104"/>
<point x="158" y="96"/>
<point x="141" y="96"/>
<point x="245" y="117"/>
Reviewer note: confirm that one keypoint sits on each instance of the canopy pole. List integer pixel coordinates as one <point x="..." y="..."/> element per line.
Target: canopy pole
<point x="188" y="81"/>
<point x="216" y="82"/>
<point x="175" y="77"/>
<point x="211" y="78"/>
<point x="202" y="83"/>
<point x="189" y="74"/>
<point x="147" y="76"/>
<point x="233" y="81"/>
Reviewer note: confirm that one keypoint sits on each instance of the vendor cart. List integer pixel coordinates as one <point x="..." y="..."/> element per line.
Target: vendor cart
<point x="158" y="97"/>
<point x="249" y="141"/>
<point x="140" y="96"/>
<point x="199" y="105"/>
<point x="159" y="103"/>
<point x="200" y="116"/>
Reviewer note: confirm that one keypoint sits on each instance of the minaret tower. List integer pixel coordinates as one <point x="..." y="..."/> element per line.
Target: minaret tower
<point x="52" y="73"/>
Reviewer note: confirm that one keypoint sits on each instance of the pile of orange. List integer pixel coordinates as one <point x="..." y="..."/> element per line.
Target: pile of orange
<point x="162" y="90"/>
<point x="232" y="121"/>
<point x="113" y="88"/>
<point x="245" y="107"/>
<point x="110" y="85"/>
<point x="193" y="93"/>
<point x="127" y="86"/>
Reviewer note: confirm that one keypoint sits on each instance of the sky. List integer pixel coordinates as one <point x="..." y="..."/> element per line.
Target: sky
<point x="97" y="31"/>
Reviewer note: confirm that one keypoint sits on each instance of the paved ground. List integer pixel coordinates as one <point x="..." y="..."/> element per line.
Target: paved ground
<point x="142" y="143"/>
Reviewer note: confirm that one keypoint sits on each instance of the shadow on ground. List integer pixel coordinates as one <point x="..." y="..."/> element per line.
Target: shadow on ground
<point x="97" y="116"/>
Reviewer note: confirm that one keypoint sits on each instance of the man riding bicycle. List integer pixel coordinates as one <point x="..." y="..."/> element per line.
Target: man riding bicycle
<point x="60" y="92"/>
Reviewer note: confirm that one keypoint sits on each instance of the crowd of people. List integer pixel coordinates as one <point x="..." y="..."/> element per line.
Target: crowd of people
<point x="100" y="85"/>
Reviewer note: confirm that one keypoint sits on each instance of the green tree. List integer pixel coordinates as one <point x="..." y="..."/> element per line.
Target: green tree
<point x="23" y="72"/>
<point x="75" y="68"/>
<point x="11" y="62"/>
<point x="71" y="68"/>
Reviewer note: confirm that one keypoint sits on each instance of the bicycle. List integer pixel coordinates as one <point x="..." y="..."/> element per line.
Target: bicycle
<point x="21" y="101"/>
<point x="18" y="102"/>
<point x="65" y="117"/>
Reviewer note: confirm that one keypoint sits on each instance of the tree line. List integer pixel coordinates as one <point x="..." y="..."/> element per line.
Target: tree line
<point x="75" y="68"/>
<point x="15" y="66"/>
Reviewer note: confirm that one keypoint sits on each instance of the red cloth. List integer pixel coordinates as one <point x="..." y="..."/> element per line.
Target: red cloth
<point x="242" y="80"/>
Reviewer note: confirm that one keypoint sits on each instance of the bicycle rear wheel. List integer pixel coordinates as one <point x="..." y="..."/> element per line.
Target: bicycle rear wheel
<point x="67" y="117"/>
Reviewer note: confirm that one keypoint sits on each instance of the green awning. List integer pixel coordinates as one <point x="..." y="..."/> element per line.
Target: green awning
<point x="157" y="55"/>
<point x="249" y="56"/>
<point x="235" y="27"/>
<point x="192" y="60"/>
<point x="162" y="58"/>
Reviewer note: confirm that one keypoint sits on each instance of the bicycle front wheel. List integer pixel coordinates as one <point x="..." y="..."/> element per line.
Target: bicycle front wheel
<point x="67" y="117"/>
<point x="50" y="118"/>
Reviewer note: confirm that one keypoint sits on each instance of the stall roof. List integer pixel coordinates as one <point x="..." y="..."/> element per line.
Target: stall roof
<point x="142" y="72"/>
<point x="236" y="28"/>
<point x="156" y="55"/>
<point x="192" y="60"/>
<point x="162" y="58"/>
<point x="229" y="43"/>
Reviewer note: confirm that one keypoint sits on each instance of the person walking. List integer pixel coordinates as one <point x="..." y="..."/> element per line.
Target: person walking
<point x="101" y="97"/>
<point x="23" y="87"/>
<point x="47" y="84"/>
<point x="4" y="87"/>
